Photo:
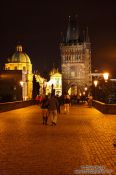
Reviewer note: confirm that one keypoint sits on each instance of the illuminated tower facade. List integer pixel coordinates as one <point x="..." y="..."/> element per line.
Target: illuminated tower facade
<point x="21" y="61"/>
<point x="75" y="60"/>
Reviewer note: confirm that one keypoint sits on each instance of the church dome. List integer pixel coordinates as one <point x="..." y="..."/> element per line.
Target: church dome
<point x="19" y="56"/>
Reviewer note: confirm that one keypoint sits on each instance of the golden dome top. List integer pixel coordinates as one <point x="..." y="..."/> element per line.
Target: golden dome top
<point x="19" y="56"/>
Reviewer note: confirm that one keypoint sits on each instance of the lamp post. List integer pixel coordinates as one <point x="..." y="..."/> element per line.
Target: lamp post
<point x="95" y="84"/>
<point x="106" y="76"/>
<point x="105" y="88"/>
<point x="21" y="83"/>
<point x="86" y="92"/>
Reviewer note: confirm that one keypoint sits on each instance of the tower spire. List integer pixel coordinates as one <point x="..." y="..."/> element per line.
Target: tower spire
<point x="72" y="30"/>
<point x="87" y="35"/>
<point x="68" y="30"/>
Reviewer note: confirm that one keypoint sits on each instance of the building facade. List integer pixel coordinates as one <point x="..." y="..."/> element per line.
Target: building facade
<point x="21" y="61"/>
<point x="75" y="60"/>
<point x="54" y="85"/>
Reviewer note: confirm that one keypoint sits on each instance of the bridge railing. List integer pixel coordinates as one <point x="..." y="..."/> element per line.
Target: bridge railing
<point x="105" y="108"/>
<point x="15" y="105"/>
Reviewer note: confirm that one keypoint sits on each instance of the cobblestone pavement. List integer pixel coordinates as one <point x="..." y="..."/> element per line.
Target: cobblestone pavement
<point x="80" y="143"/>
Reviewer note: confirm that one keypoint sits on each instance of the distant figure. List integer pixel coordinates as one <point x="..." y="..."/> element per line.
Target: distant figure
<point x="83" y="98"/>
<point x="67" y="103"/>
<point x="90" y="99"/>
<point x="78" y="99"/>
<point x="52" y="109"/>
<point x="44" y="109"/>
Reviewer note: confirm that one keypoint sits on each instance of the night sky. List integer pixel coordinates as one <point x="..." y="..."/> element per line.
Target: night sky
<point x="38" y="25"/>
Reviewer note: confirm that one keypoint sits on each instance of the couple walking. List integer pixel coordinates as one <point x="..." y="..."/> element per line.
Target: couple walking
<point x="49" y="109"/>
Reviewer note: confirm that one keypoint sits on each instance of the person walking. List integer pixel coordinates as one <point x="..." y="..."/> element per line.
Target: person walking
<point x="44" y="109"/>
<point x="60" y="102"/>
<point x="67" y="103"/>
<point x="52" y="109"/>
<point x="90" y="99"/>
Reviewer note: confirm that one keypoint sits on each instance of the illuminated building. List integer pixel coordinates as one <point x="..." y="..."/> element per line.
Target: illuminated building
<point x="75" y="60"/>
<point x="21" y="61"/>
<point x="55" y="83"/>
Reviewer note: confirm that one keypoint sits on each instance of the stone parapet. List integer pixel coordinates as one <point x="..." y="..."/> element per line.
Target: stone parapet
<point x="15" y="105"/>
<point x="105" y="108"/>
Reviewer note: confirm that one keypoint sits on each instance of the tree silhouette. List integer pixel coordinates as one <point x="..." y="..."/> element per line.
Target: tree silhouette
<point x="36" y="87"/>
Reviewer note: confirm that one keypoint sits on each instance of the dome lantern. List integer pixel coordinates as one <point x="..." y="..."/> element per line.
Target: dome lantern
<point x="19" y="48"/>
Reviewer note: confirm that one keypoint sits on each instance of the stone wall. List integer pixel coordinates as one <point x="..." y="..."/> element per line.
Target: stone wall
<point x="105" y="108"/>
<point x="15" y="105"/>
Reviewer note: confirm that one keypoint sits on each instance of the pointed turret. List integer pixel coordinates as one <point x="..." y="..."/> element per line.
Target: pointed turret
<point x="68" y="31"/>
<point x="72" y="31"/>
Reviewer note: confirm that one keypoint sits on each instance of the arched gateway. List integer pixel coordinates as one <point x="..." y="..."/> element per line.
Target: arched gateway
<point x="75" y="60"/>
<point x="73" y="88"/>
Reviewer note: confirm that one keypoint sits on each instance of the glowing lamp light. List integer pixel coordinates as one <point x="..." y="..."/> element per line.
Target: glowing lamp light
<point x="85" y="88"/>
<point x="106" y="76"/>
<point x="21" y="83"/>
<point x="95" y="83"/>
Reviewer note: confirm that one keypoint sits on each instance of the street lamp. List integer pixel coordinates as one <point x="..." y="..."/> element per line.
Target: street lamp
<point x="21" y="83"/>
<point x="106" y="76"/>
<point x="105" y="88"/>
<point x="85" y="88"/>
<point x="95" y="84"/>
<point x="86" y="91"/>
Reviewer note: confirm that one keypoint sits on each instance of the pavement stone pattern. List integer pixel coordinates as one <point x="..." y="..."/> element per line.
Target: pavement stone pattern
<point x="81" y="141"/>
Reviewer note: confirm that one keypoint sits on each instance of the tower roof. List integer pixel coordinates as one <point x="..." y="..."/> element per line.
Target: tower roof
<point x="72" y="30"/>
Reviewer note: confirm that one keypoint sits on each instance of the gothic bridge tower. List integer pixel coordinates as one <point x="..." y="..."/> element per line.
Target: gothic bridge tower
<point x="75" y="60"/>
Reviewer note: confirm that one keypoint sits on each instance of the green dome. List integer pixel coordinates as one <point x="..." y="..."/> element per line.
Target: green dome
<point x="19" y="56"/>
